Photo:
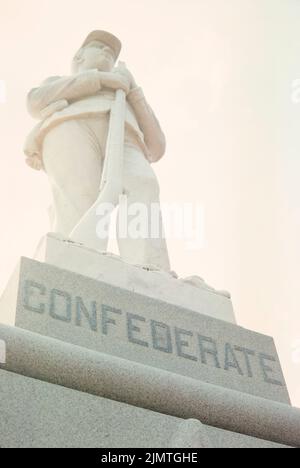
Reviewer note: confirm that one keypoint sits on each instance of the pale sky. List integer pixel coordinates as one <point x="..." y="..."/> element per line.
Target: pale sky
<point x="219" y="76"/>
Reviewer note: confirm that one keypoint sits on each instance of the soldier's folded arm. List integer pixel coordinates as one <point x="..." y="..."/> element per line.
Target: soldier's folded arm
<point x="153" y="134"/>
<point x="57" y="88"/>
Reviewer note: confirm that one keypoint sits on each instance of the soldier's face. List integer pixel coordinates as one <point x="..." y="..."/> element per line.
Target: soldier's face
<point x="95" y="55"/>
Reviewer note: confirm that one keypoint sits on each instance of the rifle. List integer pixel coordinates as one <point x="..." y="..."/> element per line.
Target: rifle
<point x="111" y="186"/>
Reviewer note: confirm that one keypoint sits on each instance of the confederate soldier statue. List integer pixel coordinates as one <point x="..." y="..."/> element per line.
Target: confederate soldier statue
<point x="94" y="147"/>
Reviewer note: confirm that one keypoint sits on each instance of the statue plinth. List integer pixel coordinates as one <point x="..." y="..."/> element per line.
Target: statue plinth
<point x="114" y="349"/>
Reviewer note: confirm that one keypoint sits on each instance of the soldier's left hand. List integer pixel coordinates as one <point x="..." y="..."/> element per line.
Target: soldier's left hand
<point x="123" y="70"/>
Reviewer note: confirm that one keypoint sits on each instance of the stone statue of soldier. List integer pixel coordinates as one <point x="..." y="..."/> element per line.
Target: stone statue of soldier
<point x="69" y="142"/>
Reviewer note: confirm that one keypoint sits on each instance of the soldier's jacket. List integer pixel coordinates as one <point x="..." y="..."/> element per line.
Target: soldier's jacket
<point x="63" y="98"/>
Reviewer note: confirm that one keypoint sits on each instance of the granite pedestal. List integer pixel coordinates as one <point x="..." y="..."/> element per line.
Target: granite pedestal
<point x="89" y="358"/>
<point x="93" y="314"/>
<point x="37" y="414"/>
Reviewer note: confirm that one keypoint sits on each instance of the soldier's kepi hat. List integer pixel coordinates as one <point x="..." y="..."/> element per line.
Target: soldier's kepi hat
<point x="107" y="38"/>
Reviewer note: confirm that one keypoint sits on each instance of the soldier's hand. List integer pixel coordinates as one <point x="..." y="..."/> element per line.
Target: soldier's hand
<point x="123" y="71"/>
<point x="35" y="162"/>
<point x="115" y="81"/>
<point x="123" y="81"/>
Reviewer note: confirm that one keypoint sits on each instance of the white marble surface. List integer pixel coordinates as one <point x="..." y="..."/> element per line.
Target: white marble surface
<point x="96" y="139"/>
<point x="191" y="293"/>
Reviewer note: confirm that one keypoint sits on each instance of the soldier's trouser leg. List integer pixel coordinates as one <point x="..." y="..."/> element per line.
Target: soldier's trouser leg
<point x="73" y="155"/>
<point x="145" y="243"/>
<point x="73" y="160"/>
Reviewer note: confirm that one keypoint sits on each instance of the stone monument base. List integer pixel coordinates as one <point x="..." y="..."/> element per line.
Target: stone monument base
<point x="43" y="415"/>
<point x="91" y="357"/>
<point x="191" y="293"/>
